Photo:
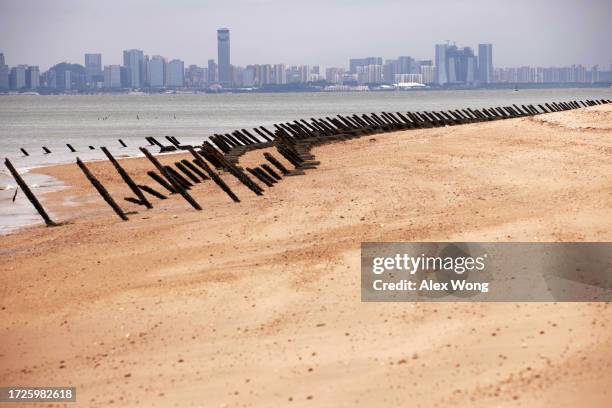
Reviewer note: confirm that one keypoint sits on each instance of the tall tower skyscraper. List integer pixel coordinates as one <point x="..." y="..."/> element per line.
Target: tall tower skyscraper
<point x="133" y="60"/>
<point x="223" y="51"/>
<point x="4" y="73"/>
<point x="175" y="74"/>
<point x="441" y="64"/>
<point x="93" y="66"/>
<point x="32" y="77"/>
<point x="157" y="72"/>
<point x="485" y="63"/>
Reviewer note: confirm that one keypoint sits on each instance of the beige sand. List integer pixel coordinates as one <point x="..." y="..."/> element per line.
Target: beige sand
<point x="258" y="303"/>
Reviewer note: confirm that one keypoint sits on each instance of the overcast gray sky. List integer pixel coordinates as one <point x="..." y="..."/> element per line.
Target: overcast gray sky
<point x="325" y="32"/>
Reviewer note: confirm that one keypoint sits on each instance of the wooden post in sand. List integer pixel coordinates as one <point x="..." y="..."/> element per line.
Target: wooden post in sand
<point x="178" y="178"/>
<point x="263" y="135"/>
<point x="267" y="132"/>
<point x="22" y="184"/>
<point x="215" y="177"/>
<point x="103" y="192"/>
<point x="128" y="180"/>
<point x="261" y="177"/>
<point x="270" y="171"/>
<point x="162" y="182"/>
<point x="276" y="163"/>
<point x="173" y="183"/>
<point x="187" y="172"/>
<point x="194" y="169"/>
<point x="214" y="156"/>
<point x="152" y="191"/>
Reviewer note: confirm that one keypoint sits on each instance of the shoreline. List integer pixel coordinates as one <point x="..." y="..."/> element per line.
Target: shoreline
<point x="43" y="184"/>
<point x="317" y="89"/>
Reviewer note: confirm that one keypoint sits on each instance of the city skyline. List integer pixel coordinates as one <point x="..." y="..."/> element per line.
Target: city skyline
<point x="576" y="32"/>
<point x="452" y="65"/>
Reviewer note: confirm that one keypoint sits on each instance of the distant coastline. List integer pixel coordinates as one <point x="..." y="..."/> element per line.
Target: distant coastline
<point x="310" y="87"/>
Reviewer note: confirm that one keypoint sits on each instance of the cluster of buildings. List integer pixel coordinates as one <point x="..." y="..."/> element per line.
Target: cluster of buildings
<point x="452" y="66"/>
<point x="539" y="75"/>
<point x="19" y="77"/>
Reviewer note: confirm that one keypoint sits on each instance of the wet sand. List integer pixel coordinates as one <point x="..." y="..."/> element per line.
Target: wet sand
<point x="258" y="303"/>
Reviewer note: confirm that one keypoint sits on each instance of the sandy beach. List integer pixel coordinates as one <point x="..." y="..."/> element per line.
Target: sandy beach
<point x="257" y="303"/>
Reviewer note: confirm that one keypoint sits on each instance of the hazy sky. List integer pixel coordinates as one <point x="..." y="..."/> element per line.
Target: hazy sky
<point x="325" y="32"/>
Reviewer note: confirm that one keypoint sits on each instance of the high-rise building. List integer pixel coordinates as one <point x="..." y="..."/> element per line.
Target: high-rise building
<point x="237" y="73"/>
<point x="133" y="60"/>
<point x="4" y="73"/>
<point x="32" y="77"/>
<point x="280" y="74"/>
<point x="146" y="80"/>
<point x="266" y="74"/>
<point x="428" y="72"/>
<point x="455" y="65"/>
<point x="213" y="72"/>
<point x="112" y="76"/>
<point x="195" y="77"/>
<point x="248" y="76"/>
<point x="223" y="56"/>
<point x="360" y="62"/>
<point x="157" y="71"/>
<point x="315" y="74"/>
<point x="390" y="69"/>
<point x="67" y="82"/>
<point x="441" y="64"/>
<point x="93" y="67"/>
<point x="17" y="77"/>
<point x="369" y="74"/>
<point x="175" y="74"/>
<point x="405" y="65"/>
<point x="304" y="73"/>
<point x="334" y="75"/>
<point x="485" y="63"/>
<point x="462" y="65"/>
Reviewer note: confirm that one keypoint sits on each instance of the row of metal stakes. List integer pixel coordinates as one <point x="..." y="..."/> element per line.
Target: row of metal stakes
<point x="293" y="141"/>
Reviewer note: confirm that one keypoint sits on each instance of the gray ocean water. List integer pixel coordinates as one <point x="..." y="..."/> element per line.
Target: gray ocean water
<point x="31" y="122"/>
